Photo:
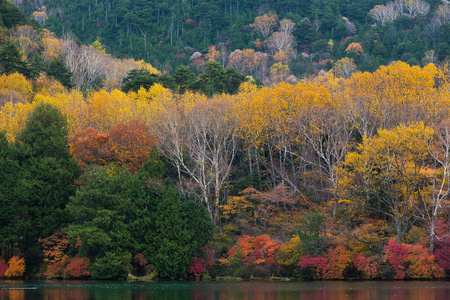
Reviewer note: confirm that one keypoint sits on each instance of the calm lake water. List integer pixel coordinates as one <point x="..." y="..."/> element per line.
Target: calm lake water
<point x="334" y="290"/>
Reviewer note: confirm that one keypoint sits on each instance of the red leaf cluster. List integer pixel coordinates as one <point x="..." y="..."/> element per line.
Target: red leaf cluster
<point x="317" y="264"/>
<point x="411" y="261"/>
<point x="338" y="260"/>
<point x="197" y="267"/>
<point x="70" y="268"/>
<point x="3" y="267"/>
<point x="370" y="266"/>
<point x="79" y="267"/>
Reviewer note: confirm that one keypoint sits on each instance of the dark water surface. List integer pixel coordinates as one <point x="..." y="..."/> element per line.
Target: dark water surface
<point x="333" y="290"/>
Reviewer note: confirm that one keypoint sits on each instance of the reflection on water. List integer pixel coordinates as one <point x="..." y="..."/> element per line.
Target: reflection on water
<point x="335" y="290"/>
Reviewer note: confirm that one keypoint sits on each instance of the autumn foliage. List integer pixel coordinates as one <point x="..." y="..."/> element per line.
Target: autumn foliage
<point x="410" y="261"/>
<point x="368" y="153"/>
<point x="74" y="267"/>
<point x="54" y="247"/>
<point x="16" y="267"/>
<point x="197" y="267"/>
<point x="256" y="254"/>
<point x="316" y="266"/>
<point x="3" y="267"/>
<point x="127" y="145"/>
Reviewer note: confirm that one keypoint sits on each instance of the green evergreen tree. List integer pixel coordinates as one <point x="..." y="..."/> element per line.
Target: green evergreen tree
<point x="212" y="81"/>
<point x="102" y="210"/>
<point x="138" y="78"/>
<point x="10" y="221"/>
<point x="58" y="70"/>
<point x="44" y="174"/>
<point x="443" y="51"/>
<point x="233" y="80"/>
<point x="180" y="231"/>
<point x="11" y="61"/>
<point x="11" y="15"/>
<point x="119" y="215"/>
<point x="184" y="79"/>
<point x="46" y="179"/>
<point x="312" y="233"/>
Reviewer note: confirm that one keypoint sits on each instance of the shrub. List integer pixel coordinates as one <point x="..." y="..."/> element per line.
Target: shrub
<point x="139" y="264"/>
<point x="58" y="269"/>
<point x="422" y="264"/>
<point x="313" y="267"/>
<point x="16" y="267"/>
<point x="197" y="267"/>
<point x="338" y="260"/>
<point x="369" y="266"/>
<point x="442" y="253"/>
<point x="395" y="255"/>
<point x="411" y="261"/>
<point x="79" y="268"/>
<point x="252" y="256"/>
<point x="3" y="267"/>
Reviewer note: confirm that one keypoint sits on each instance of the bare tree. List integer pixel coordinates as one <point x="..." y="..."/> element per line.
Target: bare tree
<point x="384" y="13"/>
<point x="287" y="26"/>
<point x="434" y="197"/>
<point x="326" y="131"/>
<point x="265" y="23"/>
<point x="201" y="142"/>
<point x="281" y="41"/>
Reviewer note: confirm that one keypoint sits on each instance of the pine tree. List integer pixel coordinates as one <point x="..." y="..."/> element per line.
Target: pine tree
<point x="47" y="175"/>
<point x="11" y="61"/>
<point x="58" y="70"/>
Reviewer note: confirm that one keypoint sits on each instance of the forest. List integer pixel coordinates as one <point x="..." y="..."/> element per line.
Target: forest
<point x="306" y="36"/>
<point x="113" y="169"/>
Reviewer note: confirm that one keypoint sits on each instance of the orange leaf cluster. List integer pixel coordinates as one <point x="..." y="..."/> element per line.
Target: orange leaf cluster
<point x="127" y="144"/>
<point x="253" y="250"/>
<point x="54" y="247"/>
<point x="16" y="267"/>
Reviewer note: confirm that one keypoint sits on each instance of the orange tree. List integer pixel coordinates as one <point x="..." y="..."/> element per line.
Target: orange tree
<point x="252" y="256"/>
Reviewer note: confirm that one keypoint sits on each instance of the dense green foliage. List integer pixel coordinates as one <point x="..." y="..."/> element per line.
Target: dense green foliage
<point x="118" y="215"/>
<point x="9" y="220"/>
<point x="167" y="33"/>
<point x="11" y="15"/>
<point x="40" y="175"/>
<point x="312" y="233"/>
<point x="115" y="214"/>
<point x="58" y="70"/>
<point x="11" y="61"/>
<point x="215" y="80"/>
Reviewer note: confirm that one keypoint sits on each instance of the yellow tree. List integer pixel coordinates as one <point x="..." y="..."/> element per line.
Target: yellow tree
<point x="326" y="132"/>
<point x="344" y="67"/>
<point x="395" y="94"/>
<point x="386" y="173"/>
<point x="356" y="47"/>
<point x="278" y="73"/>
<point x="14" y="88"/>
<point x="109" y="109"/>
<point x="213" y="53"/>
<point x="269" y="122"/>
<point x="13" y="118"/>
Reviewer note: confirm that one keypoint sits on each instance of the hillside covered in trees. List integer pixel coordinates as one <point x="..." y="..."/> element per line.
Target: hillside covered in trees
<point x="252" y="36"/>
<point x="111" y="168"/>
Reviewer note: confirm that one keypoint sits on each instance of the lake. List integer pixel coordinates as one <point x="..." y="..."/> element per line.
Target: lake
<point x="181" y="290"/>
